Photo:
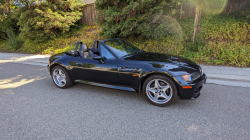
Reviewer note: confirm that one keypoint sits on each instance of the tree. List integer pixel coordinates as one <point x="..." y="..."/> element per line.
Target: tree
<point x="8" y="26"/>
<point x="198" y="7"/>
<point x="7" y="15"/>
<point x="121" y="18"/>
<point x="208" y="7"/>
<point x="41" y="20"/>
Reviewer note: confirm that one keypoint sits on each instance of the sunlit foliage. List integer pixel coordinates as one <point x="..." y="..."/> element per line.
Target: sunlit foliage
<point x="41" y="20"/>
<point x="121" y="18"/>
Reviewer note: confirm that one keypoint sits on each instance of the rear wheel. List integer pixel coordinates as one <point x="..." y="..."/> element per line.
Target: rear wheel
<point x="160" y="90"/>
<point x="61" y="77"/>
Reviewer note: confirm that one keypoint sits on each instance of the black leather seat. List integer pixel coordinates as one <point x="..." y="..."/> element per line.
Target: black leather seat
<point x="84" y="52"/>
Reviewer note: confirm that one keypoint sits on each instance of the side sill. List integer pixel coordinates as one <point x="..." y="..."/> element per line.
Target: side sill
<point x="107" y="86"/>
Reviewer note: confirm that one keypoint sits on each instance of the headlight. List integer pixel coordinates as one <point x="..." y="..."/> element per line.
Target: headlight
<point x="201" y="70"/>
<point x="191" y="77"/>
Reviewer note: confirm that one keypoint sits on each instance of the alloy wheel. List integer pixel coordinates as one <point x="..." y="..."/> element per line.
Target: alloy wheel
<point x="159" y="91"/>
<point x="59" y="77"/>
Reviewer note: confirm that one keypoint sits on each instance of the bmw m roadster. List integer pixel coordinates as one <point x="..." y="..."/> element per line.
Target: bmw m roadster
<point x="115" y="63"/>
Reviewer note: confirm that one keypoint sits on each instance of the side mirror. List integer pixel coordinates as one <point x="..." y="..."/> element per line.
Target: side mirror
<point x="97" y="57"/>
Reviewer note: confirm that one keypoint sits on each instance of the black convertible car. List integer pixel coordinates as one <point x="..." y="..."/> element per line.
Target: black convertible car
<point x="115" y="63"/>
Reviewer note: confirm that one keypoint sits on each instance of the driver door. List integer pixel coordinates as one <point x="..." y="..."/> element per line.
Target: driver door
<point x="99" y="71"/>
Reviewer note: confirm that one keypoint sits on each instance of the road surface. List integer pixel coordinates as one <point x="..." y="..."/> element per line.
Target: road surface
<point x="32" y="107"/>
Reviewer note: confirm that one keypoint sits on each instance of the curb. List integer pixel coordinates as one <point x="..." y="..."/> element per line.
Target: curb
<point x="228" y="83"/>
<point x="237" y="78"/>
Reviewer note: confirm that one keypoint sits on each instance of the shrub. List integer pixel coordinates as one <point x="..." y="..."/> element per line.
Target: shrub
<point x="160" y="26"/>
<point x="120" y="18"/>
<point x="225" y="28"/>
<point x="4" y="47"/>
<point x="42" y="21"/>
<point x="12" y="40"/>
<point x="8" y="18"/>
<point x="31" y="47"/>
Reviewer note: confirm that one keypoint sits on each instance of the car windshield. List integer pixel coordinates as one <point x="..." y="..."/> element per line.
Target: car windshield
<point x="121" y="47"/>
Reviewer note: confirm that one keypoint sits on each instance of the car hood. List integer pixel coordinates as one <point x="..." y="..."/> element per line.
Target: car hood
<point x="160" y="57"/>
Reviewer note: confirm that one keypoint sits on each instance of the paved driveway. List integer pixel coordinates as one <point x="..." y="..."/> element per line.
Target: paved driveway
<point x="32" y="107"/>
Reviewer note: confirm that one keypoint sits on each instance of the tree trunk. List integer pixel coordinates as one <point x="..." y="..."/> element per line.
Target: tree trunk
<point x="197" y="22"/>
<point x="181" y="9"/>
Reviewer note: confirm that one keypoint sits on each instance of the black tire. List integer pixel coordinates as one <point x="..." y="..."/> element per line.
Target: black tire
<point x="171" y="92"/>
<point x="69" y="82"/>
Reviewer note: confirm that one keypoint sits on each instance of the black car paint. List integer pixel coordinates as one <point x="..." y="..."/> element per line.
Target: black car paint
<point x="118" y="73"/>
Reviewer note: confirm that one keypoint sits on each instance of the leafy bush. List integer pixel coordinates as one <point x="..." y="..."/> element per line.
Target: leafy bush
<point x="160" y="26"/>
<point x="120" y="18"/>
<point x="12" y="40"/>
<point x="225" y="28"/>
<point x="246" y="12"/>
<point x="40" y="21"/>
<point x="31" y="47"/>
<point x="4" y="47"/>
<point x="8" y="19"/>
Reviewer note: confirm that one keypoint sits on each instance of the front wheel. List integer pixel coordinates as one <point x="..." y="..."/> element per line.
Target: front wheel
<point x="61" y="77"/>
<point x="160" y="90"/>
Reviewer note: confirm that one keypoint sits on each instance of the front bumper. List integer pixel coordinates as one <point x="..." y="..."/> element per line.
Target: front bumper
<point x="194" y="92"/>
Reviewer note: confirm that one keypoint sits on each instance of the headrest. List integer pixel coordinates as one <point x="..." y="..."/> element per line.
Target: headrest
<point x="83" y="48"/>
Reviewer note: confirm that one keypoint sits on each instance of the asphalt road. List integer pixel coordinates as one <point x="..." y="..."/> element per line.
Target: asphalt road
<point x="32" y="107"/>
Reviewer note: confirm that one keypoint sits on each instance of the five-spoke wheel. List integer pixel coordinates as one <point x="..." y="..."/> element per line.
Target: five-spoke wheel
<point x="60" y="77"/>
<point x="159" y="90"/>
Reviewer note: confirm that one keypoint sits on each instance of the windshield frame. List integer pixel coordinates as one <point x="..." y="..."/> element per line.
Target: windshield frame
<point x="123" y="41"/>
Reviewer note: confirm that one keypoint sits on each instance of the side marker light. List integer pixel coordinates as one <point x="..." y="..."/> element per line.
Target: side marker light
<point x="186" y="87"/>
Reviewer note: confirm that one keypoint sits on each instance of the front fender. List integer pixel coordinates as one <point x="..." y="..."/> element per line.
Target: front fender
<point x="145" y="75"/>
<point x="172" y="71"/>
